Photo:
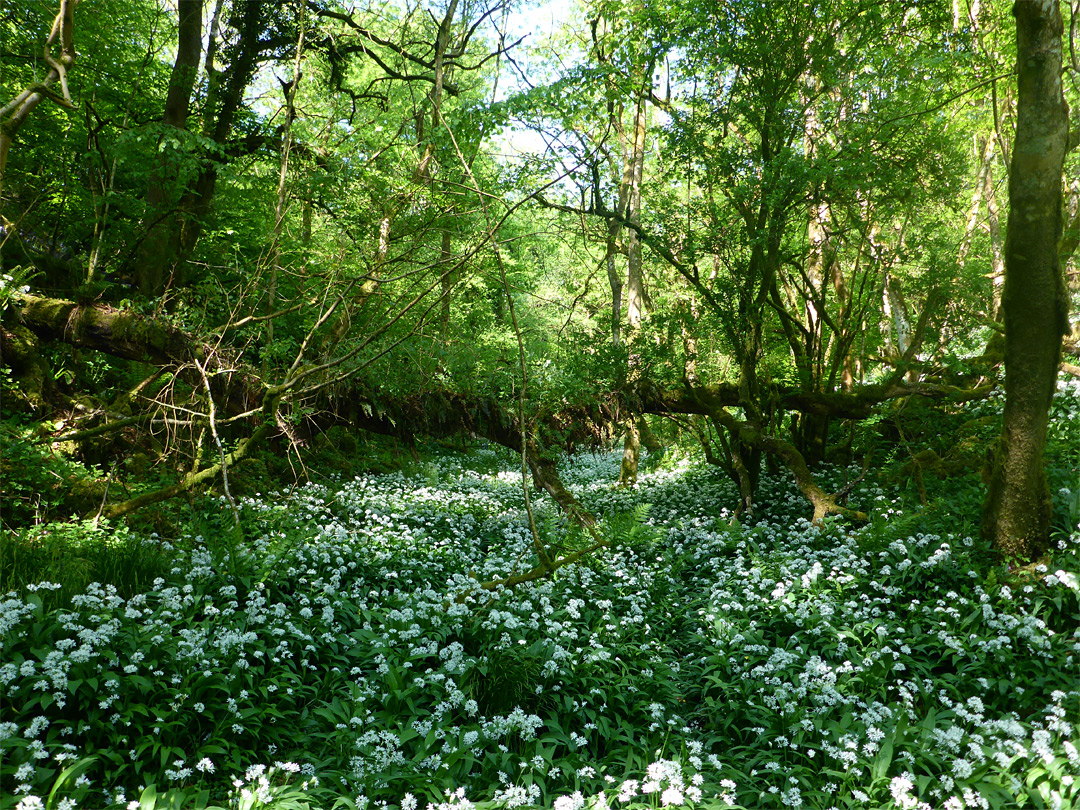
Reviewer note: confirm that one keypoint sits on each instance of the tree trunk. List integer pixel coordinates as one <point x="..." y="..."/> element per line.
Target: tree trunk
<point x="635" y="280"/>
<point x="446" y="258"/>
<point x="276" y="268"/>
<point x="997" y="256"/>
<point x="162" y="255"/>
<point x="813" y="437"/>
<point x="241" y="394"/>
<point x="819" y="257"/>
<point x="97" y="326"/>
<point x="156" y="252"/>
<point x="814" y="428"/>
<point x="688" y="310"/>
<point x="616" y="285"/>
<point x="1016" y="516"/>
<point x="628" y="470"/>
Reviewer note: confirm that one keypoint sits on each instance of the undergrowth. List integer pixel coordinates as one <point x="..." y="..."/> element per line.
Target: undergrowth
<point x="333" y="650"/>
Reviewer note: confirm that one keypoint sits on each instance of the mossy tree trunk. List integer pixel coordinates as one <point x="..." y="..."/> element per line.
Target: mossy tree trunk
<point x="1016" y="514"/>
<point x="242" y="395"/>
<point x="174" y="227"/>
<point x="156" y="249"/>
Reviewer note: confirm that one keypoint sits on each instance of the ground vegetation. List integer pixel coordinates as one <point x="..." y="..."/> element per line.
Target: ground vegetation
<point x="320" y="321"/>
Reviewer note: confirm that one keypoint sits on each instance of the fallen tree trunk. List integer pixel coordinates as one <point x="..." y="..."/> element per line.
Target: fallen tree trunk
<point x="128" y="335"/>
<point x="440" y="413"/>
<point x="120" y="333"/>
<point x="859" y="404"/>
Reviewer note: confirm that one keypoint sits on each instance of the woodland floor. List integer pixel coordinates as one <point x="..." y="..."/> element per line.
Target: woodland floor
<point x="332" y="649"/>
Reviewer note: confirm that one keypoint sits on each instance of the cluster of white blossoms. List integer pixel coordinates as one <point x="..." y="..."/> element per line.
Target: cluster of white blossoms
<point x="351" y="636"/>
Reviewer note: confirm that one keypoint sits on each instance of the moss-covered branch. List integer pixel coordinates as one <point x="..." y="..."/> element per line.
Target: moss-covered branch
<point x="189" y="482"/>
<point x="117" y="332"/>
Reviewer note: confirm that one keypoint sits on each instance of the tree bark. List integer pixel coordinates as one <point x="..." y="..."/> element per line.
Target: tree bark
<point x="276" y="269"/>
<point x="182" y="223"/>
<point x="439" y="413"/>
<point x="128" y="335"/>
<point x="749" y="436"/>
<point x="155" y="251"/>
<point x="120" y="333"/>
<point x="635" y="280"/>
<point x="1017" y="511"/>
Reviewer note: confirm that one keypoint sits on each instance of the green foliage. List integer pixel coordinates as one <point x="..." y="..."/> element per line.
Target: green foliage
<point x="271" y="788"/>
<point x="73" y="555"/>
<point x="67" y="783"/>
<point x="508" y="678"/>
<point x="338" y="625"/>
<point x="1063" y="462"/>
<point x="39" y="483"/>
<point x="1067" y="511"/>
<point x="173" y="799"/>
<point x="14" y="283"/>
<point x="631" y="530"/>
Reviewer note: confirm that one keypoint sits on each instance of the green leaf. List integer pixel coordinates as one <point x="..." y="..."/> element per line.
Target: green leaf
<point x="71" y="772"/>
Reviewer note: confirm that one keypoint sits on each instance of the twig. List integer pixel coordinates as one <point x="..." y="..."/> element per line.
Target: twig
<point x="105" y="496"/>
<point x="538" y="543"/>
<point x="217" y="440"/>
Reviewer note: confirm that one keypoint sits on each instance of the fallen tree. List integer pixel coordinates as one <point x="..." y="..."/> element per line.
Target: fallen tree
<point x="241" y="400"/>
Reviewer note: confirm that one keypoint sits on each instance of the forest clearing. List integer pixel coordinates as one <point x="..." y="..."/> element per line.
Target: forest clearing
<point x="564" y="404"/>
